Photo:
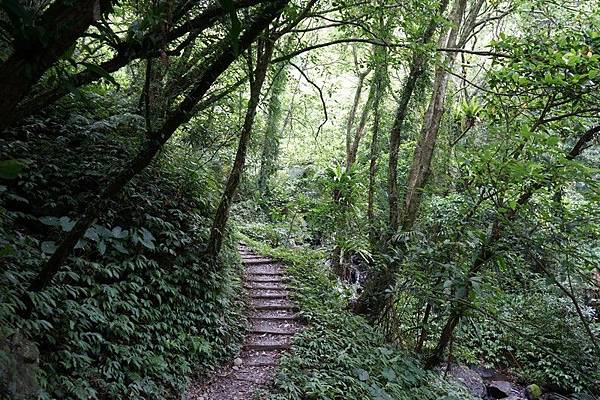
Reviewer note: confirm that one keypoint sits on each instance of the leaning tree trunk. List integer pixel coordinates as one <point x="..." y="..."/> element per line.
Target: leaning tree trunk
<point x="56" y="31"/>
<point x="270" y="145"/>
<point x="380" y="83"/>
<point x="337" y="265"/>
<point x="417" y="69"/>
<point x="374" y="298"/>
<point x="178" y="117"/>
<point x="353" y="110"/>
<point x="360" y="128"/>
<point x="127" y="51"/>
<point x="421" y="163"/>
<point x="218" y="228"/>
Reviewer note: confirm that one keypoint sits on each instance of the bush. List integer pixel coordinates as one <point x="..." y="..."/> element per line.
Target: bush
<point x="137" y="305"/>
<point x="339" y="355"/>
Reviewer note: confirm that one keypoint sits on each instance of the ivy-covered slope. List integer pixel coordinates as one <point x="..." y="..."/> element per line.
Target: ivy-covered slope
<point x="137" y="308"/>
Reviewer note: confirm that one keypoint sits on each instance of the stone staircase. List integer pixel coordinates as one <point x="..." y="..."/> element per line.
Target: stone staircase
<point x="272" y="322"/>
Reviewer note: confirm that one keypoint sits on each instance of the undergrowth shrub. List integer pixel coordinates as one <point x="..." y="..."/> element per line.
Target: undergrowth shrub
<point x="339" y="355"/>
<point x="517" y="346"/>
<point x="137" y="308"/>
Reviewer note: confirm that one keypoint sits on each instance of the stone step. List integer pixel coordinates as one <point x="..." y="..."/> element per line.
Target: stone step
<point x="257" y="261"/>
<point x="274" y="305"/>
<point x="271" y="331"/>
<point x="266" y="278"/>
<point x="263" y="361"/>
<point x="254" y="374"/>
<point x="268" y="294"/>
<point x="272" y="315"/>
<point x="265" y="342"/>
<point x="265" y="285"/>
<point x="254" y="358"/>
<point x="274" y="327"/>
<point x="258" y="379"/>
<point x="264" y="269"/>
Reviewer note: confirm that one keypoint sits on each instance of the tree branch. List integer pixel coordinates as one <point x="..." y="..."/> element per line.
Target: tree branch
<point x="320" y="96"/>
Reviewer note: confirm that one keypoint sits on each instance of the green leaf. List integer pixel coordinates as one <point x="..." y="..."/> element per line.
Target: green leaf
<point x="50" y="221"/>
<point x="49" y="247"/>
<point x="362" y="374"/>
<point x="389" y="374"/>
<point x="120" y="248"/>
<point x="66" y="224"/>
<point x="10" y="169"/>
<point x="6" y="250"/>
<point x="101" y="72"/>
<point x="147" y="239"/>
<point x="101" y="247"/>
<point x="91" y="234"/>
<point x="119" y="233"/>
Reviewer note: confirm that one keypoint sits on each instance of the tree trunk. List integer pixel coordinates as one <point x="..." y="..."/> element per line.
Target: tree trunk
<point x="421" y="163"/>
<point x="417" y="69"/>
<point x="222" y="214"/>
<point x="337" y="263"/>
<point x="352" y="113"/>
<point x="380" y="84"/>
<point x="127" y="51"/>
<point x="374" y="299"/>
<point x="360" y="128"/>
<point x="178" y="117"/>
<point x="56" y="31"/>
<point x="270" y="145"/>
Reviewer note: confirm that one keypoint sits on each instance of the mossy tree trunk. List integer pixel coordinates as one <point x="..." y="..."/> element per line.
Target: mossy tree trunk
<point x="270" y="144"/>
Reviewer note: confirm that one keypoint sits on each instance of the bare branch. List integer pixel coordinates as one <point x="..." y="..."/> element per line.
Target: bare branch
<point x="334" y="42"/>
<point x="320" y="96"/>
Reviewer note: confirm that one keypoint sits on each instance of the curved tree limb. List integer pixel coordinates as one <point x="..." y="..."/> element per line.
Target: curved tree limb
<point x="326" y="117"/>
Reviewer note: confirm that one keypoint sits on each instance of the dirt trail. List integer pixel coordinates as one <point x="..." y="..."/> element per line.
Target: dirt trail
<point x="272" y="324"/>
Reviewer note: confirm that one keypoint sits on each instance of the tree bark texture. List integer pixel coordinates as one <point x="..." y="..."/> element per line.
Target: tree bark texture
<point x="56" y="31"/>
<point x="127" y="51"/>
<point x="270" y="145"/>
<point x="417" y="69"/>
<point x="421" y="162"/>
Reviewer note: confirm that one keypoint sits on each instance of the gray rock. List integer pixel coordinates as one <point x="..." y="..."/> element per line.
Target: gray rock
<point x="18" y="368"/>
<point x="499" y="389"/>
<point x="237" y="362"/>
<point x="469" y="379"/>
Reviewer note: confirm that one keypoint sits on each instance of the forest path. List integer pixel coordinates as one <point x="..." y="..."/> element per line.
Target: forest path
<point x="272" y="324"/>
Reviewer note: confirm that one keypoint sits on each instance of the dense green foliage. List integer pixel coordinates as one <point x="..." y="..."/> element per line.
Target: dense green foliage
<point x="338" y="354"/>
<point x="138" y="308"/>
<point x="428" y="169"/>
